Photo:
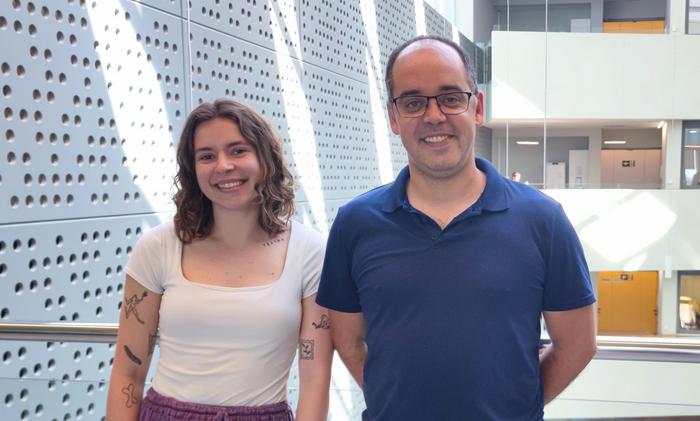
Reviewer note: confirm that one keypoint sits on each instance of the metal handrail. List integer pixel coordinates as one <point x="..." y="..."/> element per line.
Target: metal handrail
<point x="59" y="332"/>
<point x="675" y="349"/>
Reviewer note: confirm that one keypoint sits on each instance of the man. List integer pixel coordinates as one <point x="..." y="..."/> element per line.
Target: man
<point x="436" y="282"/>
<point x="515" y="176"/>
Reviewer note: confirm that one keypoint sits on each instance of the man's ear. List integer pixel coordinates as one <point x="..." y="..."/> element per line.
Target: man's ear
<point x="479" y="114"/>
<point x="391" y="111"/>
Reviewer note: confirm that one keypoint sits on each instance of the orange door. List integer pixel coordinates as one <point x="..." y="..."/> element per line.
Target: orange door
<point x="635" y="27"/>
<point x="627" y="303"/>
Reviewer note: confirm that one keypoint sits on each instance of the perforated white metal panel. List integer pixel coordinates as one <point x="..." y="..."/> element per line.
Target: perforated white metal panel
<point x="436" y="24"/>
<point x="92" y="99"/>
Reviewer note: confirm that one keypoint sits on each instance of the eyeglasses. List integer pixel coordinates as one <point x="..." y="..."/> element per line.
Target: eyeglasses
<point x="449" y="103"/>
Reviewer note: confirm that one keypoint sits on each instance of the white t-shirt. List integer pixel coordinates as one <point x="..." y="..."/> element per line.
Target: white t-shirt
<point x="222" y="345"/>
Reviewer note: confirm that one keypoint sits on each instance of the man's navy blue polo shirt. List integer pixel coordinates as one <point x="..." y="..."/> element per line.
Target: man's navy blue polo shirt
<point x="453" y="315"/>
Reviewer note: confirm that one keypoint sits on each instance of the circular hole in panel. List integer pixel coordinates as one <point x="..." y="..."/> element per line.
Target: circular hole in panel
<point x="14" y="201"/>
<point x="22" y="374"/>
<point x="60" y="37"/>
<point x="73" y="278"/>
<point x="105" y="198"/>
<point x="43" y="200"/>
<point x="7" y="91"/>
<point x="21" y="71"/>
<point x="37" y="369"/>
<point x="42" y="179"/>
<point x="98" y="311"/>
<point x="59" y="240"/>
<point x="83" y="238"/>
<point x="55" y="179"/>
<point x="50" y="96"/>
<point x="3" y="246"/>
<point x="66" y="139"/>
<point x="27" y="180"/>
<point x="75" y="316"/>
<point x="3" y="269"/>
<point x="33" y="285"/>
<point x="39" y="410"/>
<point x="48" y="304"/>
<point x="56" y="200"/>
<point x="51" y="364"/>
<point x="8" y="113"/>
<point x="19" y="287"/>
<point x="69" y="200"/>
<point x="47" y="262"/>
<point x="32" y="264"/>
<point x="9" y="136"/>
<point x="26" y="158"/>
<point x="47" y="283"/>
<point x="93" y="198"/>
<point x="61" y="301"/>
<point x="81" y="179"/>
<point x="33" y="51"/>
<point x="4" y="313"/>
<point x="54" y="159"/>
<point x="31" y="244"/>
<point x="22" y="353"/>
<point x="17" y="245"/>
<point x="48" y="55"/>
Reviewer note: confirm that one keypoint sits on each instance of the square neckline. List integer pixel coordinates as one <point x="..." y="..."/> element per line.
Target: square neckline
<point x="287" y="258"/>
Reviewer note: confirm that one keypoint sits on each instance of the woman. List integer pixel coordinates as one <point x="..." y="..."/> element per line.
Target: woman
<point x="229" y="285"/>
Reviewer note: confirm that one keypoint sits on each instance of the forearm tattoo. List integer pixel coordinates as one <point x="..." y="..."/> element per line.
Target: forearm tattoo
<point x="131" y="303"/>
<point x="131" y="396"/>
<point x="131" y="355"/>
<point x="324" y="323"/>
<point x="151" y="343"/>
<point x="306" y="349"/>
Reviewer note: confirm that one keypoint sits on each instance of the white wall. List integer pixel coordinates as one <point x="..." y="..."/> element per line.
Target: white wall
<point x="595" y="76"/>
<point x="634" y="230"/>
<point x="615" y="388"/>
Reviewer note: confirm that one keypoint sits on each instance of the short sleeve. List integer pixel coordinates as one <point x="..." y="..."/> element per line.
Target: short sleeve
<point x="338" y="290"/>
<point x="312" y="262"/>
<point x="568" y="283"/>
<point x="147" y="260"/>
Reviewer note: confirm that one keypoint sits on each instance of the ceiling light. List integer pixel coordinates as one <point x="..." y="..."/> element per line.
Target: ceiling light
<point x="527" y="142"/>
<point x="692" y="131"/>
<point x="615" y="142"/>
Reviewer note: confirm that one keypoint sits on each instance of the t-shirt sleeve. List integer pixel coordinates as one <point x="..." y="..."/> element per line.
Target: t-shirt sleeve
<point x="147" y="259"/>
<point x="338" y="290"/>
<point x="313" y="261"/>
<point x="568" y="283"/>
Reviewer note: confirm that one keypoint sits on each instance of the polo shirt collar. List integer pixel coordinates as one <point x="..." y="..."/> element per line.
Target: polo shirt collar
<point x="493" y="198"/>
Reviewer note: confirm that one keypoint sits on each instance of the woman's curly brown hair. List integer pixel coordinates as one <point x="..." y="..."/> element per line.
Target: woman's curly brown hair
<point x="194" y="218"/>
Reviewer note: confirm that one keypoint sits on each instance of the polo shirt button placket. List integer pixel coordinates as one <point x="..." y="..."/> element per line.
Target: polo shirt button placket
<point x="434" y="236"/>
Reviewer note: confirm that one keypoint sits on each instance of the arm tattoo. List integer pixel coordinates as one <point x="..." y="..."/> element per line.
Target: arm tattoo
<point x="130" y="392"/>
<point x="273" y="241"/>
<point x="131" y="303"/>
<point x="131" y="355"/>
<point x="306" y="349"/>
<point x="151" y="343"/>
<point x="324" y="323"/>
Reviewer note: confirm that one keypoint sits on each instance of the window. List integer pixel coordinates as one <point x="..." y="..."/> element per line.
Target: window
<point x="689" y="302"/>
<point x="690" y="178"/>
<point x="694" y="16"/>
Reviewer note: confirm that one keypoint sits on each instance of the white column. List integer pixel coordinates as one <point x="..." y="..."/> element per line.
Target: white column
<point x="676" y="16"/>
<point x="668" y="304"/>
<point x="671" y="149"/>
<point x="595" y="141"/>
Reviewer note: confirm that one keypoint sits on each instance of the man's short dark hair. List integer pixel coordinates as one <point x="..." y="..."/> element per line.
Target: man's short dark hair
<point x="466" y="60"/>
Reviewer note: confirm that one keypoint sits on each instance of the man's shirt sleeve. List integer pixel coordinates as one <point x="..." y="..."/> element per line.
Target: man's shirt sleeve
<point x="568" y="283"/>
<point x="337" y="290"/>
